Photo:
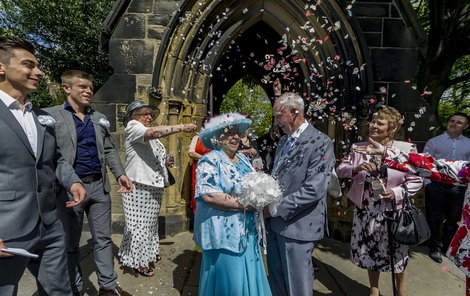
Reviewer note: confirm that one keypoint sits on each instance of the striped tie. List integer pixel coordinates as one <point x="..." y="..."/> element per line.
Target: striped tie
<point x="285" y="148"/>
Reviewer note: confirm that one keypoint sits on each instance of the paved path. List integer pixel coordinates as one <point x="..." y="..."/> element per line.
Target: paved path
<point x="178" y="272"/>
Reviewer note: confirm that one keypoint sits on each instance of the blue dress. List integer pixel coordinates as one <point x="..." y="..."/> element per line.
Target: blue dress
<point x="232" y="264"/>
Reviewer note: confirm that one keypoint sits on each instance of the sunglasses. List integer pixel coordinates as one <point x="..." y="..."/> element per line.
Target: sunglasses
<point x="146" y="114"/>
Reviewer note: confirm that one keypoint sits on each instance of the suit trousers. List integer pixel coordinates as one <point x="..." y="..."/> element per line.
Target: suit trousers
<point x="443" y="204"/>
<point x="97" y="207"/>
<point x="290" y="266"/>
<point x="50" y="269"/>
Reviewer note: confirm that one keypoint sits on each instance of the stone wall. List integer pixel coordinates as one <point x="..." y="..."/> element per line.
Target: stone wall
<point x="386" y="31"/>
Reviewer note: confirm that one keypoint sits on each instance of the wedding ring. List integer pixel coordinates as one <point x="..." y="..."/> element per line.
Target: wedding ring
<point x="368" y="150"/>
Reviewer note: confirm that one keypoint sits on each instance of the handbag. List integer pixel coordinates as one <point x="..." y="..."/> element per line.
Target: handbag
<point x="410" y="227"/>
<point x="171" y="178"/>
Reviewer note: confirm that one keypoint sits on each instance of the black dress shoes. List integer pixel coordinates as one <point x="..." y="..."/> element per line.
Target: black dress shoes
<point x="118" y="291"/>
<point x="436" y="256"/>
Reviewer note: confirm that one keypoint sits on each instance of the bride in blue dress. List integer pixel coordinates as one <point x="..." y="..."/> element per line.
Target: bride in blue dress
<point x="224" y="229"/>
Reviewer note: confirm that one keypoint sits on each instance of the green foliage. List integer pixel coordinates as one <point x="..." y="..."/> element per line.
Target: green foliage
<point x="249" y="98"/>
<point x="443" y="70"/>
<point x="422" y="11"/>
<point x="457" y="97"/>
<point x="66" y="34"/>
<point x="45" y="97"/>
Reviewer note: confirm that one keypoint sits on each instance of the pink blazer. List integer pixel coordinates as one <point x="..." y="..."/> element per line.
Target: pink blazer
<point x="396" y="180"/>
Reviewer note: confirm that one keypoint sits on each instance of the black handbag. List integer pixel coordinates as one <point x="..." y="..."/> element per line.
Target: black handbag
<point x="410" y="227"/>
<point x="171" y="178"/>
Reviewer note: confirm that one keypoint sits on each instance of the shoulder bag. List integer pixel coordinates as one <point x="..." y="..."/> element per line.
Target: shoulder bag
<point x="410" y="227"/>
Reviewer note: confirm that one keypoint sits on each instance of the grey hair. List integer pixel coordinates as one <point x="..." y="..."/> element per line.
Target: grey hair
<point x="292" y="100"/>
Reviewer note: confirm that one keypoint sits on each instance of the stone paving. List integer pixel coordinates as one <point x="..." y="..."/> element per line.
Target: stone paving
<point x="178" y="272"/>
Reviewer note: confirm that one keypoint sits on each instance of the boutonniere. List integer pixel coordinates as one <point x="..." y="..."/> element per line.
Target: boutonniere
<point x="104" y="122"/>
<point x="46" y="120"/>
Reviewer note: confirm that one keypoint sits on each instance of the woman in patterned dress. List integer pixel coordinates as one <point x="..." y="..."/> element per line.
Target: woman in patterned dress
<point x="370" y="247"/>
<point x="145" y="166"/>
<point x="439" y="170"/>
<point x="224" y="229"/>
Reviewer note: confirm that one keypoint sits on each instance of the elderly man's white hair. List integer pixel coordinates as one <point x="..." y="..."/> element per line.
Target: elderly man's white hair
<point x="292" y="100"/>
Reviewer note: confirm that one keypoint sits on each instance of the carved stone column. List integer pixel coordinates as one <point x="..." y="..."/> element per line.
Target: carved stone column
<point x="174" y="192"/>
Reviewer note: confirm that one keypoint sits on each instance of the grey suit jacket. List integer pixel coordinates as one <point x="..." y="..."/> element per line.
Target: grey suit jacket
<point x="28" y="182"/>
<point x="303" y="175"/>
<point x="67" y="141"/>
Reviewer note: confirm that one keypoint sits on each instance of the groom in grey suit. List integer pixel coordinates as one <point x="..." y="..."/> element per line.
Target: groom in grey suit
<point x="302" y="165"/>
<point x="29" y="166"/>
<point x="85" y="142"/>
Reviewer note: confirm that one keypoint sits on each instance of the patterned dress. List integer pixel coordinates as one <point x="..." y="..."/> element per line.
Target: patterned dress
<point x="140" y="243"/>
<point x="232" y="264"/>
<point x="445" y="171"/>
<point x="370" y="247"/>
<point x="145" y="167"/>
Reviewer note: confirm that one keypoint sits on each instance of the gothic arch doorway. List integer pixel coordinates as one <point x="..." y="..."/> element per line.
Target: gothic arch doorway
<point x="314" y="49"/>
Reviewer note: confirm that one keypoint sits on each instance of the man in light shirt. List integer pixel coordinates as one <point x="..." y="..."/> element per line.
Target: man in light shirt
<point x="30" y="165"/>
<point x="444" y="202"/>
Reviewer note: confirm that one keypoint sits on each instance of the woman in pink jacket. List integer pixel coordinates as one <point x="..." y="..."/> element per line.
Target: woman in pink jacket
<point x="439" y="170"/>
<point x="376" y="190"/>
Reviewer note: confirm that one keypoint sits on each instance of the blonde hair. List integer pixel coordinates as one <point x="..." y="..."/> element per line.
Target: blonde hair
<point x="393" y="118"/>
<point x="69" y="76"/>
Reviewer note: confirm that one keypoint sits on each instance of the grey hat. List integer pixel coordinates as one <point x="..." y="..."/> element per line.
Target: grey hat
<point x="134" y="106"/>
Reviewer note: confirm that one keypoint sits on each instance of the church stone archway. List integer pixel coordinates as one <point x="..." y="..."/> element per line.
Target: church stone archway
<point x="185" y="55"/>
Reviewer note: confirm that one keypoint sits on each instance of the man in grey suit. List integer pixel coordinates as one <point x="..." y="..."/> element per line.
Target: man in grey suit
<point x="302" y="165"/>
<point x="85" y="142"/>
<point x="30" y="165"/>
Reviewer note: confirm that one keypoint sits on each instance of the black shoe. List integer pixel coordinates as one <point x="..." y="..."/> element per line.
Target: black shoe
<point x="436" y="256"/>
<point x="118" y="291"/>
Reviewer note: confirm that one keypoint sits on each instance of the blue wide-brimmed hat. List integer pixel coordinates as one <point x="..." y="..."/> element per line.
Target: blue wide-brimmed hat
<point x="216" y="126"/>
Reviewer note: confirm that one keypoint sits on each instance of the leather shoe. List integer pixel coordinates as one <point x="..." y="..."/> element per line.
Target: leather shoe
<point x="436" y="256"/>
<point x="118" y="291"/>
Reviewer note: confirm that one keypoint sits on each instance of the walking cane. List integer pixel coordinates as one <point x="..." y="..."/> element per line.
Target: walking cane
<point x="389" y="216"/>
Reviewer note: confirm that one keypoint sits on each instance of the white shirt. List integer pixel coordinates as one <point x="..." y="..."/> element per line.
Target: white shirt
<point x="24" y="117"/>
<point x="446" y="147"/>
<point x="292" y="138"/>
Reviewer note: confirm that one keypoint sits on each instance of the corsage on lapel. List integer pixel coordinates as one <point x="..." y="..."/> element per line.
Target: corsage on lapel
<point x="104" y="123"/>
<point x="46" y="120"/>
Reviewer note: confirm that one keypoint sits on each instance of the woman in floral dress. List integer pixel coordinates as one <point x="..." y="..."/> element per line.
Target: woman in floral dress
<point x="439" y="170"/>
<point x="370" y="247"/>
<point x="232" y="264"/>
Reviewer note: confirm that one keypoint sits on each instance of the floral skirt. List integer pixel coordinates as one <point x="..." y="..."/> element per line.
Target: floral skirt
<point x="370" y="247"/>
<point x="140" y="243"/>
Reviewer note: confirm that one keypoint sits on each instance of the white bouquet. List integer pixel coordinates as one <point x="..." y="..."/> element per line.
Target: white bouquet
<point x="259" y="190"/>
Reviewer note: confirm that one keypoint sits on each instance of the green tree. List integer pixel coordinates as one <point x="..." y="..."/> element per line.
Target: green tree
<point x="445" y="63"/>
<point x="249" y="98"/>
<point x="66" y="34"/>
